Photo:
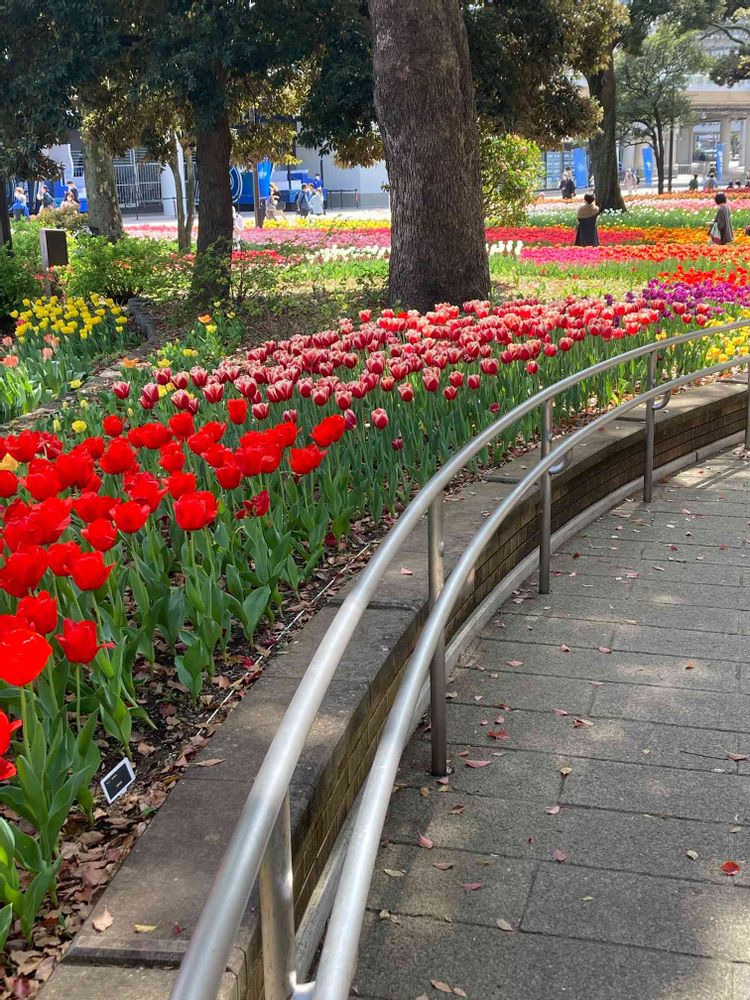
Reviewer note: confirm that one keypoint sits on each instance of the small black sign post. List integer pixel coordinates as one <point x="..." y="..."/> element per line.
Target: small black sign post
<point x="54" y="247"/>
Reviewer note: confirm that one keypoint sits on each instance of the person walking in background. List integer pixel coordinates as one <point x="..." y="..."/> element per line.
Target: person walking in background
<point x="721" y="228"/>
<point x="273" y="211"/>
<point x="303" y="204"/>
<point x="629" y="182"/>
<point x="19" y="209"/>
<point x="693" y="185"/>
<point x="238" y="226"/>
<point x="44" y="199"/>
<point x="316" y="202"/>
<point x="70" y="203"/>
<point x="567" y="185"/>
<point x="72" y="190"/>
<point x="587" y="234"/>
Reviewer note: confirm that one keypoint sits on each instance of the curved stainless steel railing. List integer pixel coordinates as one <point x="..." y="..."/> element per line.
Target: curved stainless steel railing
<point x="260" y="848"/>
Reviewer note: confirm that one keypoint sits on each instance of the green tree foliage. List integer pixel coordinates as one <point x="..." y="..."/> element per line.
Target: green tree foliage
<point x="511" y="169"/>
<point x="651" y="89"/>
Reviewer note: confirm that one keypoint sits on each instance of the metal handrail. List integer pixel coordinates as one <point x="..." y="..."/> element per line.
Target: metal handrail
<point x="260" y="847"/>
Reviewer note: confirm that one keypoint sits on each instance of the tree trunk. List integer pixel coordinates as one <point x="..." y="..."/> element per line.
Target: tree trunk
<point x="215" y="219"/>
<point x="5" y="235"/>
<point x="104" y="216"/>
<point x="424" y="99"/>
<point x="189" y="158"/>
<point x="183" y="241"/>
<point x="670" y="168"/>
<point x="603" y="145"/>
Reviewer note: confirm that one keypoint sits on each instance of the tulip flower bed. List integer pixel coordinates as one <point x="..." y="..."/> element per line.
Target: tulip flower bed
<point x="172" y="517"/>
<point x="53" y="347"/>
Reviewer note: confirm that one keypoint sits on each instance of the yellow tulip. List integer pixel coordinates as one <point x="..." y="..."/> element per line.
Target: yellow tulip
<point x="79" y="426"/>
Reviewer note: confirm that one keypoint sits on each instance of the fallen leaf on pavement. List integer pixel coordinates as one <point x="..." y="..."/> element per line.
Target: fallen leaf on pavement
<point x="394" y="872"/>
<point x="559" y="711"/>
<point x="503" y="924"/>
<point x="559" y="856"/>
<point x="144" y="928"/>
<point x="103" y="921"/>
<point x="440" y="985"/>
<point x="552" y="810"/>
<point x="212" y="762"/>
<point x="477" y="763"/>
<point x="425" y="842"/>
<point x="515" y="663"/>
<point x="693" y="855"/>
<point x="471" y="886"/>
<point x="564" y="648"/>
<point x="442" y="866"/>
<point x="565" y="771"/>
<point x="730" y="868"/>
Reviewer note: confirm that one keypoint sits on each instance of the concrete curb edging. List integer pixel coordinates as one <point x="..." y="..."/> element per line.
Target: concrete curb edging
<point x="164" y="880"/>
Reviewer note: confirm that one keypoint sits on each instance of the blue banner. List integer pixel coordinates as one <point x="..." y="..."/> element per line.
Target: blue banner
<point x="265" y="169"/>
<point x="648" y="165"/>
<point x="580" y="167"/>
<point x="719" y="161"/>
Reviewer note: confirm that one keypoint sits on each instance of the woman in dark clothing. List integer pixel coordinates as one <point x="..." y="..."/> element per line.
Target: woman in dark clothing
<point x="721" y="230"/>
<point x="567" y="185"/>
<point x="587" y="234"/>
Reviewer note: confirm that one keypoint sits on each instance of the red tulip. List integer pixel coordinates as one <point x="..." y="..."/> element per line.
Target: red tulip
<point x="8" y="484"/>
<point x="229" y="476"/>
<point x="473" y="381"/>
<point x="256" y="506"/>
<point x="379" y="418"/>
<point x="7" y="728"/>
<point x="61" y="557"/>
<point x="532" y="367"/>
<point x="121" y="389"/>
<point x="172" y="457"/>
<point x="23" y="571"/>
<point x="260" y="411"/>
<point x="329" y="430"/>
<point x="119" y="457"/>
<point x="91" y="506"/>
<point x="23" y="656"/>
<point x="450" y="392"/>
<point x="237" y="410"/>
<point x="149" y="396"/>
<point x="214" y="392"/>
<point x="113" y="426"/>
<point x="397" y="444"/>
<point x="40" y="610"/>
<point x="130" y="517"/>
<point x="101" y="534"/>
<point x="304" y="460"/>
<point x="406" y="392"/>
<point x="89" y="570"/>
<point x="180" y="483"/>
<point x="79" y="641"/>
<point x="194" y="511"/>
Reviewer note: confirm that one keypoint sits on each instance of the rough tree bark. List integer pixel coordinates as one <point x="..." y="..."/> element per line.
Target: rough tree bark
<point x="424" y="99"/>
<point x="5" y="234"/>
<point x="189" y="158"/>
<point x="212" y="266"/>
<point x="603" y="145"/>
<point x="103" y="206"/>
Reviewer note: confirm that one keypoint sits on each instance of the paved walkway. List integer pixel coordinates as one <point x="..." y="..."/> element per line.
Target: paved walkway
<point x="583" y="859"/>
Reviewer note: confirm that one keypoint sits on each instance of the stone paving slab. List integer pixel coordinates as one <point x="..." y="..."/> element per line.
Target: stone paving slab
<point x="605" y="837"/>
<point x="601" y="609"/>
<point x="399" y="961"/>
<point x="661" y="791"/>
<point x="644" y="743"/>
<point x="590" y="566"/>
<point x="634" y="668"/>
<point x="517" y="773"/>
<point x="701" y="709"/>
<point x="623" y="908"/>
<point x="441" y="893"/>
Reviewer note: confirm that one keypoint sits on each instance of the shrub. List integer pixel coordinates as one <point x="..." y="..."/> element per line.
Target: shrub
<point x="132" y="266"/>
<point x="511" y="168"/>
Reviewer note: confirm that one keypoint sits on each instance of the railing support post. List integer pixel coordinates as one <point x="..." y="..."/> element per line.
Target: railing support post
<point x="436" y="569"/>
<point x="747" y="413"/>
<point x="277" y="910"/>
<point x="545" y="490"/>
<point x="648" y="465"/>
